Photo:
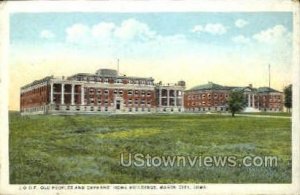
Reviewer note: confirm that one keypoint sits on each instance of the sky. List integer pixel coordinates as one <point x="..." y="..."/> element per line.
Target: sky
<point x="233" y="48"/>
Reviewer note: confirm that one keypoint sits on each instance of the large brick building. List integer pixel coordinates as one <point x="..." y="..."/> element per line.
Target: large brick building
<point x="105" y="91"/>
<point x="108" y="92"/>
<point x="213" y="97"/>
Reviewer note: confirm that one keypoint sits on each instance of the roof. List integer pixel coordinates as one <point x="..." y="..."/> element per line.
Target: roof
<point x="267" y="90"/>
<point x="47" y="78"/>
<point x="214" y="86"/>
<point x="208" y="86"/>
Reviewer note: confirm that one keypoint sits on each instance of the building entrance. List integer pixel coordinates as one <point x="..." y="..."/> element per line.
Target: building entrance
<point x="118" y="104"/>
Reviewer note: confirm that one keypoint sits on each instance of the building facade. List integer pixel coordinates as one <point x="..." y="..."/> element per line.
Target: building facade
<point x="213" y="97"/>
<point x="108" y="92"/>
<point x="103" y="92"/>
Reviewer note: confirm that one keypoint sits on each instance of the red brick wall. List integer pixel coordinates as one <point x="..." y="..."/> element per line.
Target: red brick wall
<point x="196" y="99"/>
<point x="34" y="98"/>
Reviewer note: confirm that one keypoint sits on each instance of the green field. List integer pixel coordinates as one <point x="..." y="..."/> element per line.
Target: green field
<point x="268" y="113"/>
<point x="86" y="149"/>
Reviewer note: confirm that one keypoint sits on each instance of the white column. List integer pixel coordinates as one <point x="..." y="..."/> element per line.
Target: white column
<point x="175" y="98"/>
<point x="248" y="100"/>
<point x="51" y="93"/>
<point x="62" y="93"/>
<point x="82" y="95"/>
<point x="72" y="94"/>
<point x="159" y="96"/>
<point x="168" y="97"/>
<point x="253" y="101"/>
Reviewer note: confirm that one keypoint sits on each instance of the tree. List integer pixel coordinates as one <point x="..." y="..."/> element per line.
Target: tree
<point x="288" y="97"/>
<point x="236" y="102"/>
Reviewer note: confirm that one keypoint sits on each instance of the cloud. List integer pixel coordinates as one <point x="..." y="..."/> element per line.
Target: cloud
<point x="131" y="29"/>
<point x="46" y="34"/>
<point x="77" y="33"/>
<point x="241" y="39"/>
<point x="240" y="23"/>
<point x="272" y="35"/>
<point x="214" y="29"/>
<point x="103" y="30"/>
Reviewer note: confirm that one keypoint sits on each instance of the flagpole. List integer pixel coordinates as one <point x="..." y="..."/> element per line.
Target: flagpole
<point x="269" y="76"/>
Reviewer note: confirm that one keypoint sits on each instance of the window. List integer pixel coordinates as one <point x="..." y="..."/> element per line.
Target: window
<point x="92" y="108"/>
<point x="136" y="92"/>
<point x="136" y="102"/>
<point x="129" y="92"/>
<point x="119" y="81"/>
<point x="106" y="80"/>
<point x="106" y="91"/>
<point x="115" y="91"/>
<point x="148" y="93"/>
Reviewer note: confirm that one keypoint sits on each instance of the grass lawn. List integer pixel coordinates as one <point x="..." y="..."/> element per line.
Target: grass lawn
<point x="268" y="113"/>
<point x="86" y="148"/>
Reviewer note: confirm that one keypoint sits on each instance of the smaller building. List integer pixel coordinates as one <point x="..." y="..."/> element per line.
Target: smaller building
<point x="212" y="97"/>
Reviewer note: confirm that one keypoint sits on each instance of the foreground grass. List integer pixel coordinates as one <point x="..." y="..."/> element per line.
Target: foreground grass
<point x="86" y="149"/>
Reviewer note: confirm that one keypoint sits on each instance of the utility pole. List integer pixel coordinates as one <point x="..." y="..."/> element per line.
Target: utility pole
<point x="118" y="61"/>
<point x="269" y="76"/>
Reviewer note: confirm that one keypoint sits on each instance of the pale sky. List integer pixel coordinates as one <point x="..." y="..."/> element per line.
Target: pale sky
<point x="225" y="48"/>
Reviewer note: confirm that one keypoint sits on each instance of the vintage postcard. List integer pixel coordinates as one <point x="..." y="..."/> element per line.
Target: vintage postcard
<point x="149" y="97"/>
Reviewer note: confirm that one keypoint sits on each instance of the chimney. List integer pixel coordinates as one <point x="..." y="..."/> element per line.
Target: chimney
<point x="250" y="85"/>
